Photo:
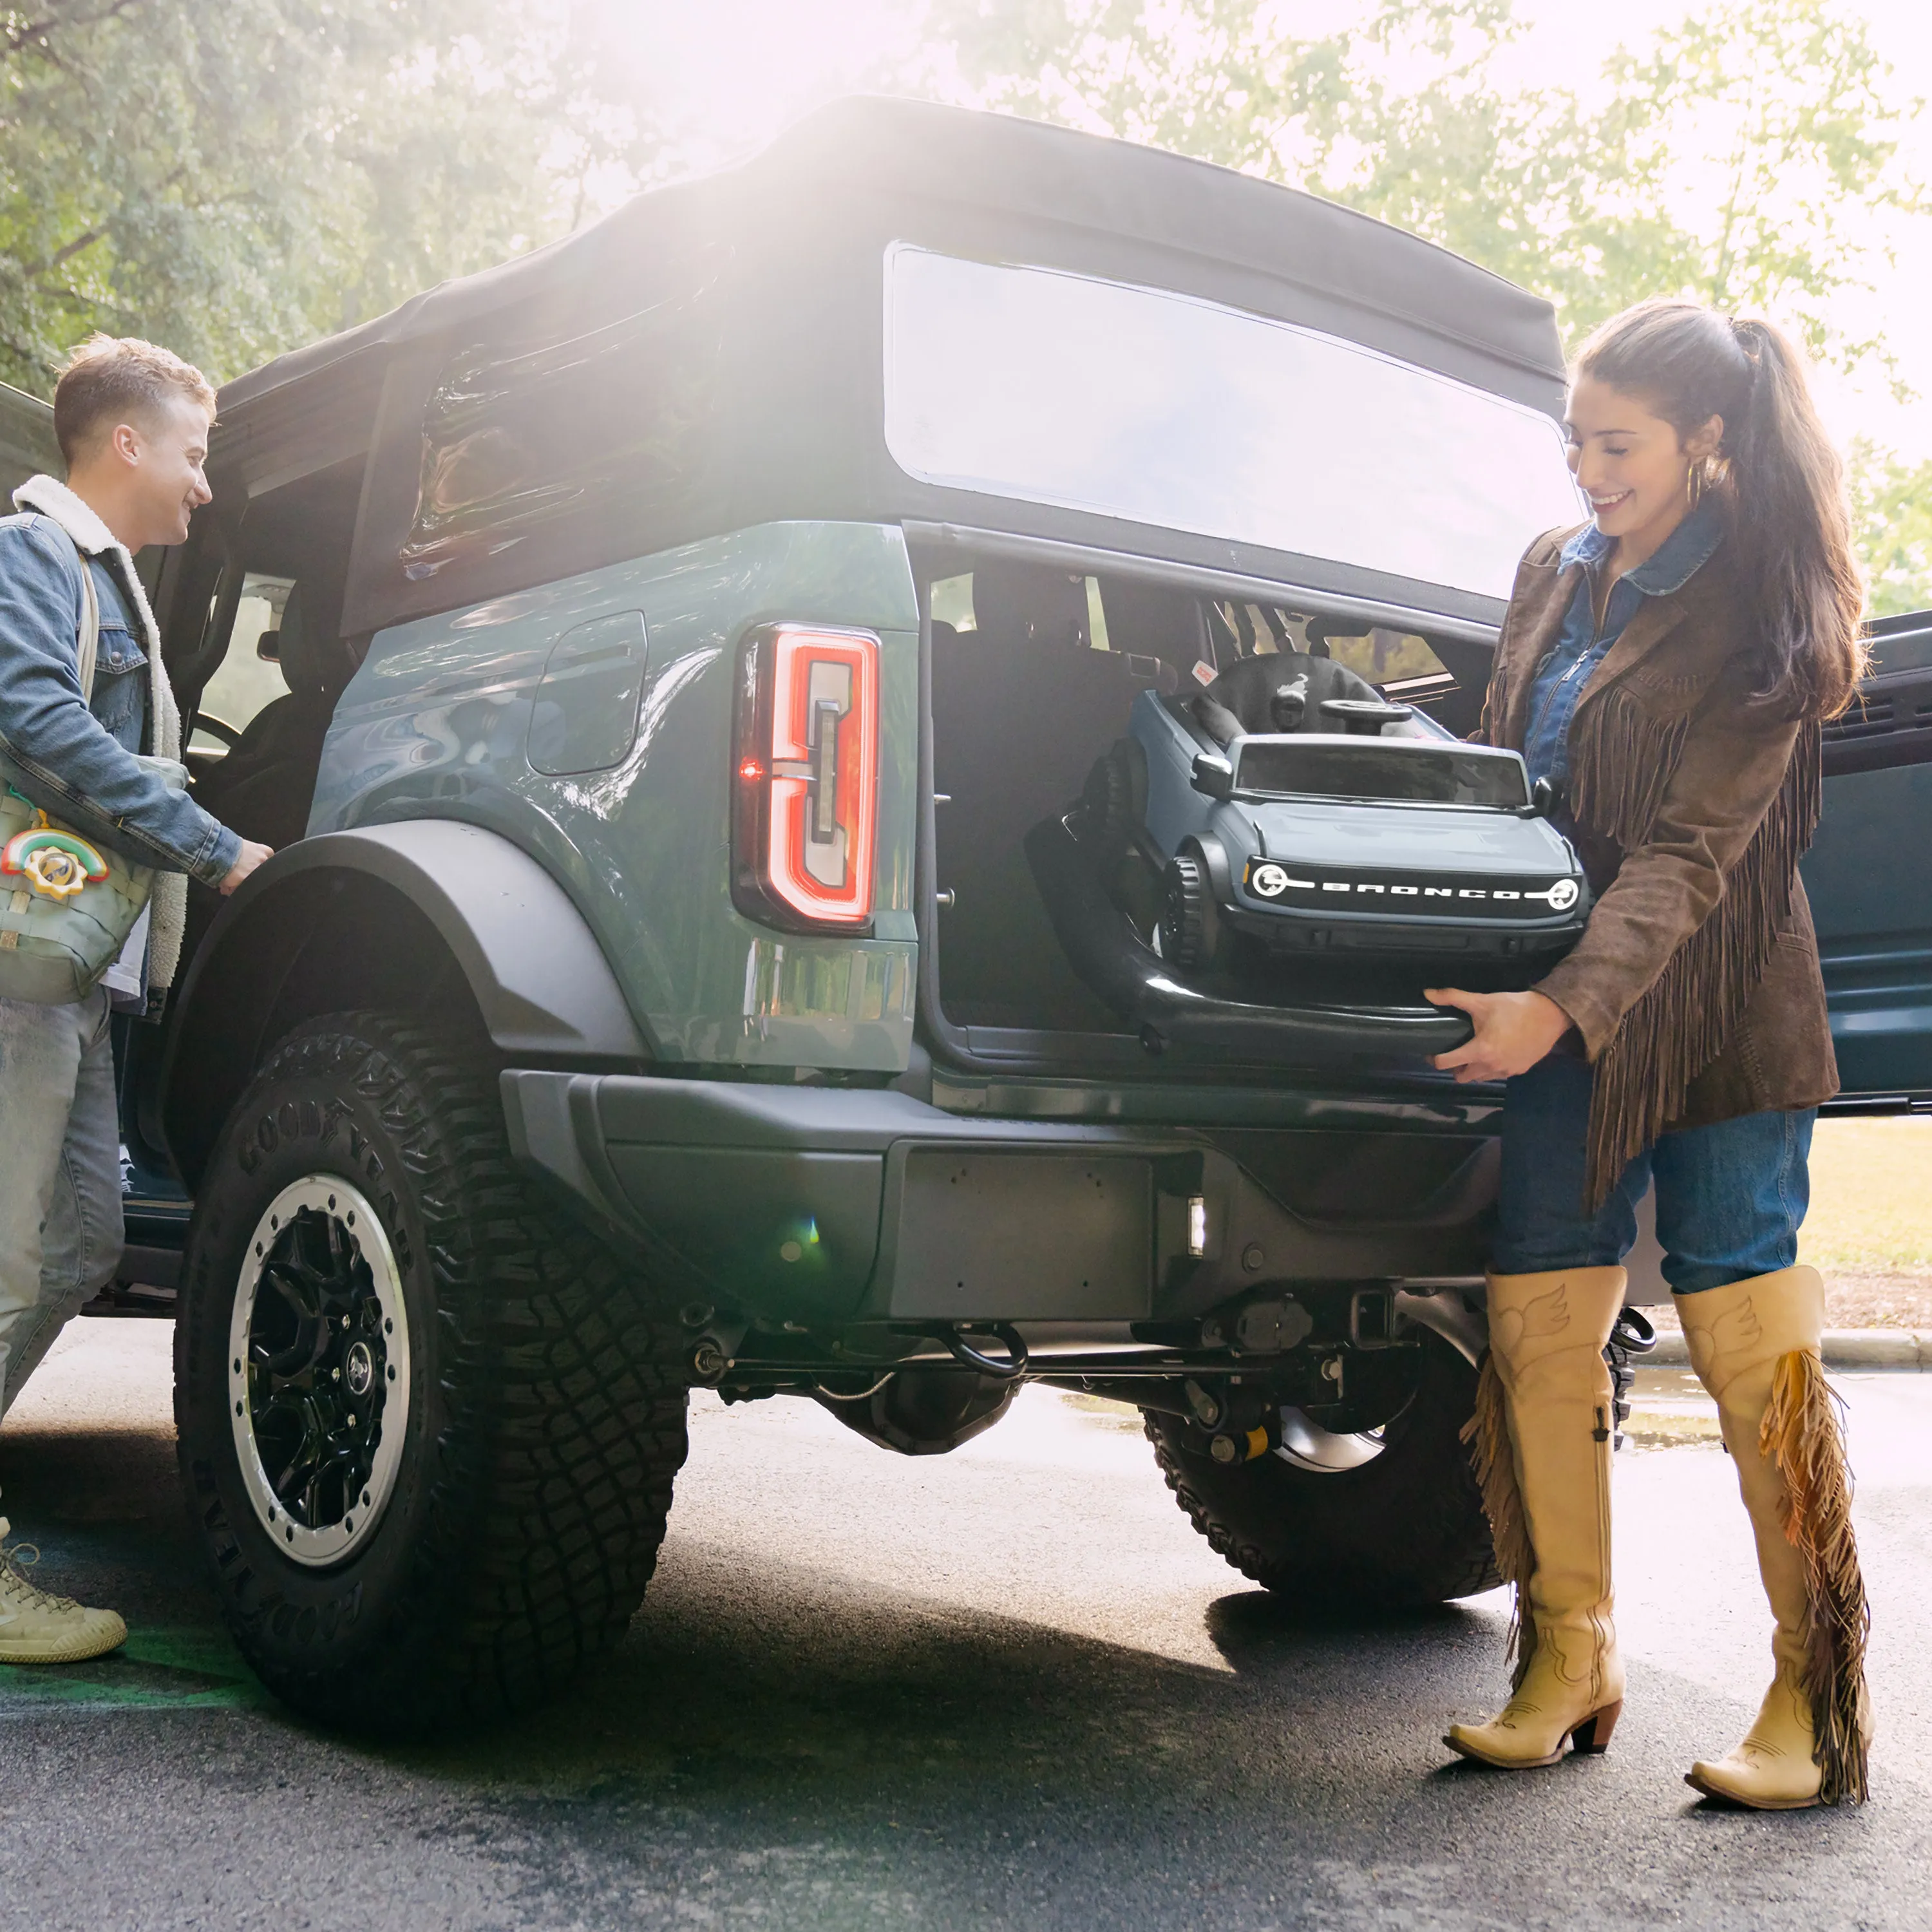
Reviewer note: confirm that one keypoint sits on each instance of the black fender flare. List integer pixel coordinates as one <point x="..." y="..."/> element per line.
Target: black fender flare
<point x="414" y="914"/>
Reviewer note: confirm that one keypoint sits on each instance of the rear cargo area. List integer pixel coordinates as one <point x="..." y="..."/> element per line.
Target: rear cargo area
<point x="1034" y="673"/>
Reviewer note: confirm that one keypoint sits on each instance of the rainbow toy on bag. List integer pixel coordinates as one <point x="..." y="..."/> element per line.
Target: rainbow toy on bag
<point x="52" y="861"/>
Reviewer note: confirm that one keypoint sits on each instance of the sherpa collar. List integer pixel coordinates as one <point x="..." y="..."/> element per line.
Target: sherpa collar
<point x="84" y="525"/>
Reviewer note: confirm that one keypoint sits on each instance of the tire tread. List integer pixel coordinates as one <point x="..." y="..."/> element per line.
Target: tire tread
<point x="564" y="1403"/>
<point x="1447" y="1528"/>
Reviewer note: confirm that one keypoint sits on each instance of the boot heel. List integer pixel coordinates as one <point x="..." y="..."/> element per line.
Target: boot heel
<point x="1591" y="1737"/>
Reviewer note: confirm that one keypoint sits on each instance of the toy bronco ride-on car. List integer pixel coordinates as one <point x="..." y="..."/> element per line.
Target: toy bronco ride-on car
<point x="1277" y="852"/>
<point x="867" y="765"/>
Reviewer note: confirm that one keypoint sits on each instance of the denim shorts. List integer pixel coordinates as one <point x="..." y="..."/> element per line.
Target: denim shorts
<point x="1729" y="1198"/>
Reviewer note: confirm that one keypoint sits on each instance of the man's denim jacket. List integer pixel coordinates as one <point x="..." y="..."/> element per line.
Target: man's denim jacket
<point x="71" y="764"/>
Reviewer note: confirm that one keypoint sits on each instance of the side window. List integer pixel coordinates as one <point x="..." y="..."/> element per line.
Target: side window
<point x="245" y="682"/>
<point x="953" y="604"/>
<point x="1403" y="664"/>
<point x="545" y="449"/>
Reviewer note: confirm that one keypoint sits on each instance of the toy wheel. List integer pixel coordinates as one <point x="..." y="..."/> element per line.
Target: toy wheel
<point x="1109" y="800"/>
<point x="1186" y="912"/>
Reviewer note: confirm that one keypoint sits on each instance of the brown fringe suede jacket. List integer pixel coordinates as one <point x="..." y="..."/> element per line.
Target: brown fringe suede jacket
<point x="1696" y="987"/>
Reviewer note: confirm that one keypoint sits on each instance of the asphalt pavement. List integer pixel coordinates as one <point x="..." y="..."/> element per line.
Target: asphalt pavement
<point x="1006" y="1687"/>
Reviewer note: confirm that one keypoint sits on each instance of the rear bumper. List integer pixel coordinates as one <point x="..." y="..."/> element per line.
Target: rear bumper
<point x="822" y="1204"/>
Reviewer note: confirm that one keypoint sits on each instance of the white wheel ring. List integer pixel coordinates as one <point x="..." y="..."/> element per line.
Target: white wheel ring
<point x="330" y="1195"/>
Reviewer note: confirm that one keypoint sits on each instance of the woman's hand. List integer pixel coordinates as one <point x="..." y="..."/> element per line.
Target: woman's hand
<point x="1513" y="1031"/>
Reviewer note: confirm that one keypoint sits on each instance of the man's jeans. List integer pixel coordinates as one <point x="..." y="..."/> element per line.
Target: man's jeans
<point x="60" y="1176"/>
<point x="1729" y="1198"/>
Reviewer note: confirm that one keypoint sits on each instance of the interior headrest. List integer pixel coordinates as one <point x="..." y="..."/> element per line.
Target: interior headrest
<point x="1029" y="603"/>
<point x="302" y="662"/>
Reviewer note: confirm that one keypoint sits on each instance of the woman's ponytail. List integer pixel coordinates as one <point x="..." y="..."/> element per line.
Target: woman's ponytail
<point x="1780" y="481"/>
<point x="1793" y="529"/>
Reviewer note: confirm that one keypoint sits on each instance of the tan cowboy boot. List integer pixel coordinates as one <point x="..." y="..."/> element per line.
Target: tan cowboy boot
<point x="1755" y="1346"/>
<point x="36" y="1628"/>
<point x="1542" y="1433"/>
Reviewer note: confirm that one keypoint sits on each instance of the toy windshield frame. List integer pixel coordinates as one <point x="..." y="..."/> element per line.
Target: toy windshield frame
<point x="1326" y="758"/>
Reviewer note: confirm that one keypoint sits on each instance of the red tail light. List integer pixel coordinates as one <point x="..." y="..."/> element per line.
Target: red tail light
<point x="804" y="827"/>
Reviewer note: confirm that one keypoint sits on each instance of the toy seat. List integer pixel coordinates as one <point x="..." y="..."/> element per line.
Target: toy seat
<point x="1283" y="691"/>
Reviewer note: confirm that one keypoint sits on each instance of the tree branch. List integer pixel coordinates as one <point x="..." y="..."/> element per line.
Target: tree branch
<point x="20" y="37"/>
<point x="33" y="271"/>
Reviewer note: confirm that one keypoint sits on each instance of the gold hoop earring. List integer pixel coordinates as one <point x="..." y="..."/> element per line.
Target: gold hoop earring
<point x="1694" y="484"/>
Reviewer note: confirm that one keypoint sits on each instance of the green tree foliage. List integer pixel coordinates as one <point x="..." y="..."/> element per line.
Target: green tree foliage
<point x="1727" y="160"/>
<point x="1747" y="157"/>
<point x="1891" y="507"/>
<point x="232" y="176"/>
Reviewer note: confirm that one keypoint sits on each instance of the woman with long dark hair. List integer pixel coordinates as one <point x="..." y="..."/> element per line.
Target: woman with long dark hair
<point x="1667" y="666"/>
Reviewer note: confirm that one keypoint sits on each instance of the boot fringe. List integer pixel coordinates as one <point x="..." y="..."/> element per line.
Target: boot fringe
<point x="1493" y="1460"/>
<point x="1801" y="1433"/>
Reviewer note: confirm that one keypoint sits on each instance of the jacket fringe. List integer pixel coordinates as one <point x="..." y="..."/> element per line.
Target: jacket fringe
<point x="1617" y="789"/>
<point x="1801" y="1432"/>
<point x="1682" y="1023"/>
<point x="1492" y="1458"/>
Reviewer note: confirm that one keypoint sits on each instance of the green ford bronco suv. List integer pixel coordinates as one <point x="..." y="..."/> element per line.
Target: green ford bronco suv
<point x="680" y="671"/>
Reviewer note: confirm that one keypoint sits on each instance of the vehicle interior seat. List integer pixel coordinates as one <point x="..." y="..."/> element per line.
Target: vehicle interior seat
<point x="264" y="786"/>
<point x="1021" y="707"/>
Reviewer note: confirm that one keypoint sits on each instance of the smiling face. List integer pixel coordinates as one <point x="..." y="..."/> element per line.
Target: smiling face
<point x="166" y="451"/>
<point x="1633" y="466"/>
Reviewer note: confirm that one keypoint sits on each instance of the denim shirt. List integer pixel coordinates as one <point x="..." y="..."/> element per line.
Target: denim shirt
<point x="66" y="761"/>
<point x="1580" y="647"/>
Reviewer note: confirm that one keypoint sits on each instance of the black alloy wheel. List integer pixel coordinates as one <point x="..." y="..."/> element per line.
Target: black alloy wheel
<point x="427" y="1426"/>
<point x="319" y="1363"/>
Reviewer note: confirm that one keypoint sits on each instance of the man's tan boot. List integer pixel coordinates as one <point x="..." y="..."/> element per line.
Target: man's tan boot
<point x="1542" y="1439"/>
<point x="36" y="1628"/>
<point x="1755" y="1346"/>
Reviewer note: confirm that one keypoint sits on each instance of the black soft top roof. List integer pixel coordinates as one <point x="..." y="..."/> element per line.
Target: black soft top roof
<point x="726" y="339"/>
<point x="913" y="152"/>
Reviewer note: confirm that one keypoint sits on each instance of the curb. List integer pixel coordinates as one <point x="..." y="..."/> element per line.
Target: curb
<point x="1844" y="1349"/>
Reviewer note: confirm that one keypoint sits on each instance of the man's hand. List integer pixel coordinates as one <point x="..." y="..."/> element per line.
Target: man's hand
<point x="252" y="855"/>
<point x="1513" y="1031"/>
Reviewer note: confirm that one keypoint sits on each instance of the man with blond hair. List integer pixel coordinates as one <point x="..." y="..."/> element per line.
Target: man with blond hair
<point x="133" y="423"/>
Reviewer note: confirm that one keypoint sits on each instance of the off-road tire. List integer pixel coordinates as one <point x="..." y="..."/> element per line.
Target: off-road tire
<point x="1405" y="1529"/>
<point x="546" y="1410"/>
